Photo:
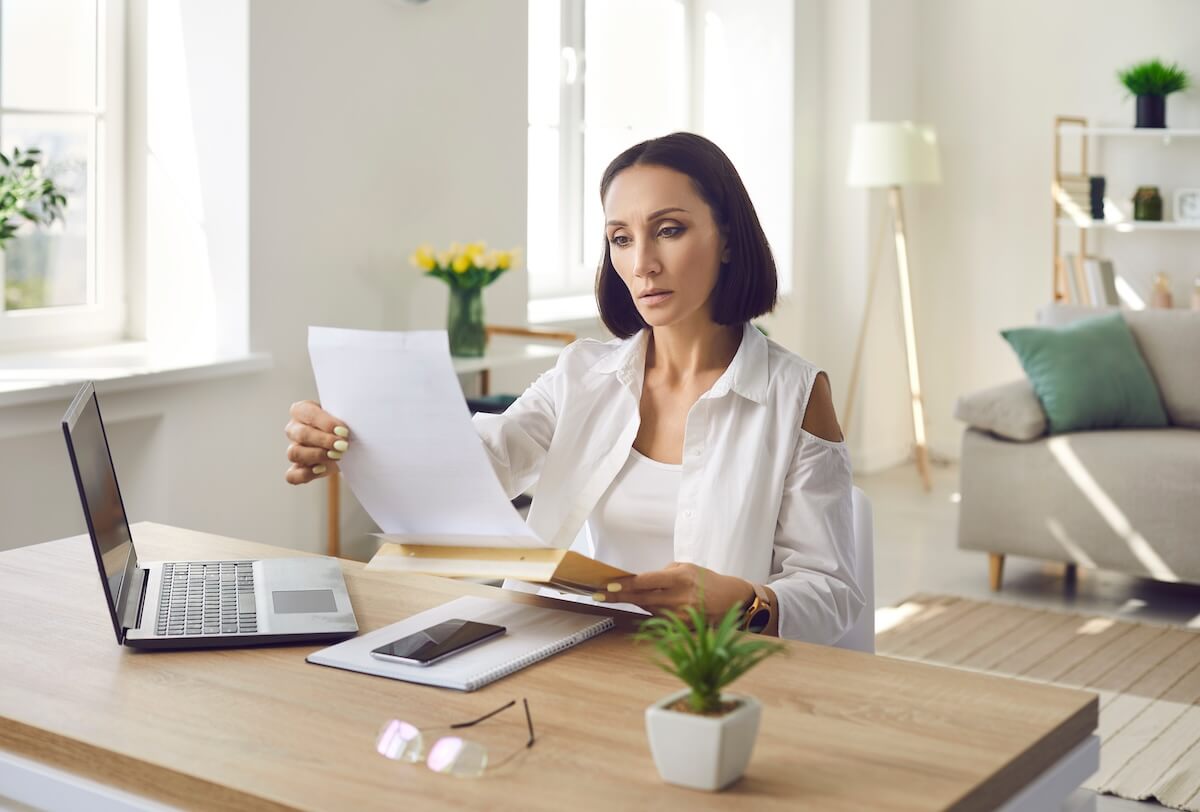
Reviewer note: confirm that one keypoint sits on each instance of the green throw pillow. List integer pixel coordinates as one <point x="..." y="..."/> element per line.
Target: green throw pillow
<point x="1089" y="375"/>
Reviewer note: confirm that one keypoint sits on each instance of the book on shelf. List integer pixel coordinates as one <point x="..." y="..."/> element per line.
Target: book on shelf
<point x="1077" y="291"/>
<point x="1101" y="281"/>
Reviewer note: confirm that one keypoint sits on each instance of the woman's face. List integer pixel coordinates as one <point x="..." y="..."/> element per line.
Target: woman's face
<point x="664" y="244"/>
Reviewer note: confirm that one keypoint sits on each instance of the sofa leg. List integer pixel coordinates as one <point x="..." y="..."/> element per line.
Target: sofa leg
<point x="995" y="570"/>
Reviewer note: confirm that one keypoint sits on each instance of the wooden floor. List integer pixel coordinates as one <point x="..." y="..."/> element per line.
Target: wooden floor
<point x="915" y="552"/>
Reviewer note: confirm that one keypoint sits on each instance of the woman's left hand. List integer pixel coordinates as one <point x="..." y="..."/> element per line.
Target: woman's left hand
<point x="681" y="584"/>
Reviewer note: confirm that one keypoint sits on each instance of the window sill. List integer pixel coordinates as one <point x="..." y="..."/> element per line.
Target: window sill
<point x="56" y="375"/>
<point x="565" y="311"/>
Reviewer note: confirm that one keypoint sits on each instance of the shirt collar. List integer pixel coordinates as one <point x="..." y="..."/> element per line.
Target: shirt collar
<point x="746" y="375"/>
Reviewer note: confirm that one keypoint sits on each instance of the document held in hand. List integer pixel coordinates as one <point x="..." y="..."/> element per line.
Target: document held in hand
<point x="419" y="469"/>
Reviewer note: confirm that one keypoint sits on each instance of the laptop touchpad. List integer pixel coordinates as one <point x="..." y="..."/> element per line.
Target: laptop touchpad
<point x="296" y="601"/>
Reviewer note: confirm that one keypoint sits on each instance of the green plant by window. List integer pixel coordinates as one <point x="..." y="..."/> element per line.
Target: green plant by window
<point x="706" y="657"/>
<point x="1153" y="78"/>
<point x="25" y="194"/>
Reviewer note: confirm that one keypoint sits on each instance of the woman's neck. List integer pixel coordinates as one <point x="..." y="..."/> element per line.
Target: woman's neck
<point x="681" y="353"/>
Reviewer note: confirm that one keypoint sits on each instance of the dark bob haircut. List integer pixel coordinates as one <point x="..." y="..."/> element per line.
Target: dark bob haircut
<point x="747" y="285"/>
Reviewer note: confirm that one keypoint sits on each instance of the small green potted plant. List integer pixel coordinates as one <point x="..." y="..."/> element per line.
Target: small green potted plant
<point x="1151" y="82"/>
<point x="701" y="737"/>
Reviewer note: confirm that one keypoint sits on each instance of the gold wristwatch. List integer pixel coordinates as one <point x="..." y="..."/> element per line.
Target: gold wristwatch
<point x="757" y="614"/>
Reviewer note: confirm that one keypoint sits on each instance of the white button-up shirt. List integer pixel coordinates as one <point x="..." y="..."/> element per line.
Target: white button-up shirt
<point x="759" y="497"/>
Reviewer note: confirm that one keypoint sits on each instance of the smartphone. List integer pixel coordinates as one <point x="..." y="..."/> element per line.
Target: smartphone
<point x="437" y="642"/>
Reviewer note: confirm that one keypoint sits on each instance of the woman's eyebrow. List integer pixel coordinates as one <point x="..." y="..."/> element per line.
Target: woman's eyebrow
<point x="653" y="216"/>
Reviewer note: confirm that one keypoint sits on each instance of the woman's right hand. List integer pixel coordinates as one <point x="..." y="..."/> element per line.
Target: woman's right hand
<point x="318" y="440"/>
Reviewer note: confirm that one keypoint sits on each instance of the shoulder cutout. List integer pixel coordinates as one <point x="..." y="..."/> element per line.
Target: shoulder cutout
<point x="819" y="417"/>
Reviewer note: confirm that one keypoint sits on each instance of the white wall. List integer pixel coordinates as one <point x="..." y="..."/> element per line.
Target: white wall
<point x="366" y="139"/>
<point x="991" y="76"/>
<point x="373" y="126"/>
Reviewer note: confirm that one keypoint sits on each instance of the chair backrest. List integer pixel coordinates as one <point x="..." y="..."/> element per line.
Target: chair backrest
<point x="861" y="636"/>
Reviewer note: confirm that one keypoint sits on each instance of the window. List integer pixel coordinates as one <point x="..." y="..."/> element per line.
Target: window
<point x="607" y="74"/>
<point x="636" y="87"/>
<point x="61" y="77"/>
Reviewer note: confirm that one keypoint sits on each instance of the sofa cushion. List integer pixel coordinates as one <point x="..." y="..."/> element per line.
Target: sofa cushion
<point x="1169" y="340"/>
<point x="1011" y="410"/>
<point x="1089" y="375"/>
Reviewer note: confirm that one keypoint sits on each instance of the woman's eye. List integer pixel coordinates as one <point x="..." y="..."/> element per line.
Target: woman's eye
<point x="661" y="232"/>
<point x="616" y="240"/>
<point x="669" y="228"/>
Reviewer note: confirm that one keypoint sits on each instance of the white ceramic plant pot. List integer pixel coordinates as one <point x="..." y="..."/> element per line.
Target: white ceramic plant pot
<point x="702" y="752"/>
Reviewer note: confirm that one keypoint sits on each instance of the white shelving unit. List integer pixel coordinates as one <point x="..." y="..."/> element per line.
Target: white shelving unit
<point x="1070" y="212"/>
<point x="1126" y="226"/>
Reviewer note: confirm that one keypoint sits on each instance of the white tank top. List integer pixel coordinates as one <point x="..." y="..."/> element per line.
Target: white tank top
<point x="633" y="525"/>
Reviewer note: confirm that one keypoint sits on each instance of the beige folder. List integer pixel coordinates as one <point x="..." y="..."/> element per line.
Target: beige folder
<point x="561" y="569"/>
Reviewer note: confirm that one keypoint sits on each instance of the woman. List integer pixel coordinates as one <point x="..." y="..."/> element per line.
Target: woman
<point x="691" y="449"/>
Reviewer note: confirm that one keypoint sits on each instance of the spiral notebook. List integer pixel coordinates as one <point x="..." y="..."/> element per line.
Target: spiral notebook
<point x="533" y="634"/>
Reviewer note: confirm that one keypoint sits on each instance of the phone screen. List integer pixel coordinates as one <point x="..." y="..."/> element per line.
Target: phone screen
<point x="437" y="641"/>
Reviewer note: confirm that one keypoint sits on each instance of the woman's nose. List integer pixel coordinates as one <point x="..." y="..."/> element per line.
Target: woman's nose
<point x="645" y="261"/>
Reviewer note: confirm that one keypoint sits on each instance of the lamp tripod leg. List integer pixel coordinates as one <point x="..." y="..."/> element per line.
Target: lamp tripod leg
<point x="910" y="338"/>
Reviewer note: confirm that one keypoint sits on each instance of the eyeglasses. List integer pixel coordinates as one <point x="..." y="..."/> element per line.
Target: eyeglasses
<point x="402" y="741"/>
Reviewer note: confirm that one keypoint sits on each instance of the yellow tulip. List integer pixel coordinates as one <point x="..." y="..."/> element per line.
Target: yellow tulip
<point x="444" y="258"/>
<point x="461" y="263"/>
<point x="423" y="258"/>
<point x="491" y="261"/>
<point x="504" y="260"/>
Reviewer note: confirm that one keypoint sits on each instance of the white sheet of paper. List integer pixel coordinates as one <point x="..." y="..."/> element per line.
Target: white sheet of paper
<point x="415" y="462"/>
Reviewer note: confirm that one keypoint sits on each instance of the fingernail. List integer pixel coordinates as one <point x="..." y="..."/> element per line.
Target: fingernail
<point x="341" y="431"/>
<point x="598" y="596"/>
<point x="340" y="445"/>
<point x="614" y="587"/>
<point x="318" y="469"/>
<point x="333" y="455"/>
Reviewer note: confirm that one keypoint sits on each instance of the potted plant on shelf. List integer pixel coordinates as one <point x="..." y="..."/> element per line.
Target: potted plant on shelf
<point x="700" y="737"/>
<point x="467" y="270"/>
<point x="1151" y="82"/>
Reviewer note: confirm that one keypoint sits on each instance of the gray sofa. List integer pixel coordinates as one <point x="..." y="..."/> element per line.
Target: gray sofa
<point x="1117" y="499"/>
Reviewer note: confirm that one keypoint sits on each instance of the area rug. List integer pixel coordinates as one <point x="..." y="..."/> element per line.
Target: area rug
<point x="1147" y="676"/>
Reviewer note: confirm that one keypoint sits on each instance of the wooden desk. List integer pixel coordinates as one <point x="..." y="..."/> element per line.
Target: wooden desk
<point x="260" y="728"/>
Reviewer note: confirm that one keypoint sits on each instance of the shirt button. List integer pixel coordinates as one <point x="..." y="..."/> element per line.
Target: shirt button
<point x="687" y="514"/>
<point x="697" y="451"/>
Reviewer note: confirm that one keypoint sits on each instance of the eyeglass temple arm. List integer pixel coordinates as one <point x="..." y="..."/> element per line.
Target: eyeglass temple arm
<point x="485" y="716"/>
<point x="528" y="719"/>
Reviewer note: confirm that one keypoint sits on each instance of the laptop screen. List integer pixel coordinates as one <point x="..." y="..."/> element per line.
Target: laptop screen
<point x="97" y="482"/>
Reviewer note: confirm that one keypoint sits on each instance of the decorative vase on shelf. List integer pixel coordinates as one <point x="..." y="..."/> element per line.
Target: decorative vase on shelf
<point x="1151" y="112"/>
<point x="466" y="270"/>
<point x="464" y="322"/>
<point x="1161" y="297"/>
<point x="1147" y="204"/>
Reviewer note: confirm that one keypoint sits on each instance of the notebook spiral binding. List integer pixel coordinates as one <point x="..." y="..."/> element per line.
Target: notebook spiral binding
<point x="603" y="625"/>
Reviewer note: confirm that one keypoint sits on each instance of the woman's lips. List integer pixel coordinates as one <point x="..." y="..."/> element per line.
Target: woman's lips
<point x="655" y="298"/>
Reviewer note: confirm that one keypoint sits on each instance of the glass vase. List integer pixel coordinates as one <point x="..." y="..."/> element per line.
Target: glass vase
<point x="464" y="322"/>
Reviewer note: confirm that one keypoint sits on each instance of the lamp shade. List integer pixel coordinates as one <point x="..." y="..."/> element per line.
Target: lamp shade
<point x="893" y="153"/>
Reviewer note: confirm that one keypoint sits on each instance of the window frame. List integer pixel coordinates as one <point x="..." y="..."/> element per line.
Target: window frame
<point x="576" y="274"/>
<point x="103" y="319"/>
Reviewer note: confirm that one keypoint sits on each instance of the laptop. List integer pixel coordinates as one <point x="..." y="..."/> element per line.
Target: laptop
<point x="194" y="604"/>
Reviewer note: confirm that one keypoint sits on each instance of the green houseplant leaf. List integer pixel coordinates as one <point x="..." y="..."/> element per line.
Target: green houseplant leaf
<point x="705" y="657"/>
<point x="1154" y="78"/>
<point x="25" y="193"/>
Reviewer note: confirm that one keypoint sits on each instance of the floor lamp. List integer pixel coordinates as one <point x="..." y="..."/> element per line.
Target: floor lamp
<point x="890" y="155"/>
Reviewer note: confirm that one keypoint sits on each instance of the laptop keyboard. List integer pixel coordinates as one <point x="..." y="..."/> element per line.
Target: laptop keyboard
<point x="207" y="598"/>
